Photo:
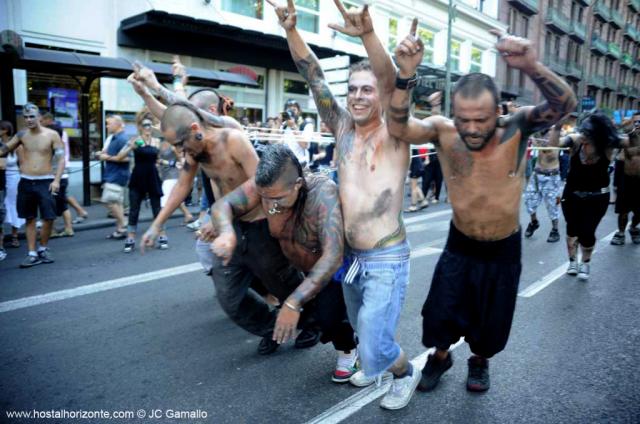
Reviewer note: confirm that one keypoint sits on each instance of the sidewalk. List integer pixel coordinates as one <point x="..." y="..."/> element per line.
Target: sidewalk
<point x="98" y="219"/>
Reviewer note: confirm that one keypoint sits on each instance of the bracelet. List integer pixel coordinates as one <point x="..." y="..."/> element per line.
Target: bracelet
<point x="406" y="83"/>
<point x="290" y="306"/>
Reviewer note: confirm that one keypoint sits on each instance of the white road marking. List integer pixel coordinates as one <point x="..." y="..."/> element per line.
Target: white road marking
<point x="56" y="296"/>
<point x="343" y="410"/>
<point x="424" y="217"/>
<point x="548" y="279"/>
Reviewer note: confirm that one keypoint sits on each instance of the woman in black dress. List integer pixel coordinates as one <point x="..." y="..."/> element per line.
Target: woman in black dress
<point x="144" y="180"/>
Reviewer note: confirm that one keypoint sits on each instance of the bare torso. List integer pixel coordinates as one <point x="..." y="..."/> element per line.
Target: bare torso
<point x="372" y="171"/>
<point x="548" y="160"/>
<point x="632" y="162"/>
<point x="484" y="186"/>
<point x="225" y="171"/>
<point x="37" y="152"/>
<point x="301" y="243"/>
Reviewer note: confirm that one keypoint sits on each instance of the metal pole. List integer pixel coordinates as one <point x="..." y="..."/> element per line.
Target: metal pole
<point x="84" y="113"/>
<point x="447" y="84"/>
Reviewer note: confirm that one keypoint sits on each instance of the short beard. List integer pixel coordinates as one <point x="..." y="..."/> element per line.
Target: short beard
<point x="486" y="140"/>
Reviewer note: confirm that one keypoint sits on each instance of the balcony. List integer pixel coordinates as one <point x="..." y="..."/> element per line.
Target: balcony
<point x="555" y="65"/>
<point x="626" y="61"/>
<point x="529" y="7"/>
<point x="596" y="81"/>
<point x="630" y="31"/>
<point x="616" y="19"/>
<point x="625" y="90"/>
<point x="578" y="31"/>
<point x="635" y="5"/>
<point x="557" y="21"/>
<point x="614" y="51"/>
<point x="573" y="71"/>
<point x="636" y="66"/>
<point x="601" y="11"/>
<point x="598" y="45"/>
<point x="611" y="83"/>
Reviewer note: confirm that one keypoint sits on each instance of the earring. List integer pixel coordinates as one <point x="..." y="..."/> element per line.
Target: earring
<point x="199" y="137"/>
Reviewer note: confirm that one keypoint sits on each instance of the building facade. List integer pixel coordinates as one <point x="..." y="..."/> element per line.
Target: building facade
<point x="592" y="44"/>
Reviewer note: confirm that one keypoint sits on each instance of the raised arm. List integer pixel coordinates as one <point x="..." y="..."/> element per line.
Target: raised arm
<point x="358" y="23"/>
<point x="560" y="99"/>
<point x="11" y="145"/>
<point x="235" y="204"/>
<point x="307" y="63"/>
<point x="400" y="124"/>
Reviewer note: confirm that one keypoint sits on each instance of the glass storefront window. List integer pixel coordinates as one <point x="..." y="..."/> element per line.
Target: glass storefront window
<point x="250" y="8"/>
<point x="296" y="87"/>
<point x="476" y="59"/>
<point x="427" y="38"/>
<point x="393" y="34"/>
<point x="308" y="15"/>
<point x="455" y="55"/>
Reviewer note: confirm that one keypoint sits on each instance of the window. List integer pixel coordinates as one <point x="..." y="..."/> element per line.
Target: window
<point x="296" y="87"/>
<point x="393" y="34"/>
<point x="455" y="55"/>
<point x="250" y="8"/>
<point x="427" y="38"/>
<point x="308" y="15"/>
<point x="476" y="60"/>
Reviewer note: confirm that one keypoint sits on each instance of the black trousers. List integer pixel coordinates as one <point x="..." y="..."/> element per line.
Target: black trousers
<point x="583" y="214"/>
<point x="135" y="200"/>
<point x="432" y="173"/>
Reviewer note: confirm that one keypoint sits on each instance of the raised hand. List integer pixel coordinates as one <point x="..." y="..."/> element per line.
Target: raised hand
<point x="286" y="15"/>
<point x="178" y="69"/>
<point x="409" y="52"/>
<point x="357" y="22"/>
<point x="145" y="75"/>
<point x="138" y="87"/>
<point x="516" y="51"/>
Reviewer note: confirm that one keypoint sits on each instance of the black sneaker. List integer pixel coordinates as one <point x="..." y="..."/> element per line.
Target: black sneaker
<point x="129" y="245"/>
<point x="635" y="235"/>
<point x="478" y="377"/>
<point x="30" y="261"/>
<point x="45" y="256"/>
<point x="308" y="337"/>
<point x="163" y="243"/>
<point x="531" y="228"/>
<point x="554" y="236"/>
<point x="267" y="345"/>
<point x="432" y="371"/>
<point x="618" y="238"/>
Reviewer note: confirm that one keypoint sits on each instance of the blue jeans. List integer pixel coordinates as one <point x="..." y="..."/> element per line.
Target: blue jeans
<point x="374" y="290"/>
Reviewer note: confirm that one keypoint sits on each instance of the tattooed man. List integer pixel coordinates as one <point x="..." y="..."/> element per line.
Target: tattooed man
<point x="304" y="215"/>
<point x="39" y="182"/>
<point x="474" y="287"/>
<point x="372" y="167"/>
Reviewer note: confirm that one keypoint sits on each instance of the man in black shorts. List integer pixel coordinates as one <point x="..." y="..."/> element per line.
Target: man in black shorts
<point x="38" y="185"/>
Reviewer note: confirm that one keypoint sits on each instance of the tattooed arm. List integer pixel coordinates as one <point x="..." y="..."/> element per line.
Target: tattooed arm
<point x="235" y="204"/>
<point x="331" y="238"/>
<point x="11" y="145"/>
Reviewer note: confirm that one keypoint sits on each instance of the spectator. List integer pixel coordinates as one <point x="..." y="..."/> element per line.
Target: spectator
<point x="12" y="173"/>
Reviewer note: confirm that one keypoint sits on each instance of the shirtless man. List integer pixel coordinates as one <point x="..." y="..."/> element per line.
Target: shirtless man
<point x="544" y="185"/>
<point x="474" y="287"/>
<point x="372" y="167"/>
<point x="304" y="216"/>
<point x="628" y="196"/>
<point x="38" y="184"/>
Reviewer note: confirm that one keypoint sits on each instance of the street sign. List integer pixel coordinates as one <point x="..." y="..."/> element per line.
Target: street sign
<point x="588" y="103"/>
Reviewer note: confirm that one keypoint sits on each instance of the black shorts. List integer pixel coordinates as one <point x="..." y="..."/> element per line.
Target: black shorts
<point x="34" y="195"/>
<point x="473" y="294"/>
<point x="61" y="199"/>
<point x="417" y="168"/>
<point x="628" y="195"/>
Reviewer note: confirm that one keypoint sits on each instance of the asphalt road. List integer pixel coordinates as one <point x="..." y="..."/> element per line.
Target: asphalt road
<point x="165" y="345"/>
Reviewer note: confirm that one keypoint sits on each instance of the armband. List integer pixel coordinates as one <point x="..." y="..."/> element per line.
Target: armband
<point x="406" y="84"/>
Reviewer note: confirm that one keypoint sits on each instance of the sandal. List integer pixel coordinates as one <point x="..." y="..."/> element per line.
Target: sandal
<point x="80" y="219"/>
<point x="117" y="235"/>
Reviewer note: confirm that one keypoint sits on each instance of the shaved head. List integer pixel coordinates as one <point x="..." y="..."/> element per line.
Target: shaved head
<point x="178" y="118"/>
<point x="204" y="99"/>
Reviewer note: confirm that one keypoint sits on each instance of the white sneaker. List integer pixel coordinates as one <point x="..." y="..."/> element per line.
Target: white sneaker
<point x="194" y="226"/>
<point x="3" y="254"/>
<point x="583" y="274"/>
<point x="401" y="390"/>
<point x="346" y="366"/>
<point x="360" y="380"/>
<point x="573" y="268"/>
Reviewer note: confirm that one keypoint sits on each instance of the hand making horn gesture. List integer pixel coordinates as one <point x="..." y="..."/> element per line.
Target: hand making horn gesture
<point x="286" y="15"/>
<point x="357" y="22"/>
<point x="410" y="52"/>
<point x="516" y="51"/>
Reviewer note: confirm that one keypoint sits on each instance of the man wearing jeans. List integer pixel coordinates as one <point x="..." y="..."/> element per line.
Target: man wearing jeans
<point x="116" y="174"/>
<point x="372" y="167"/>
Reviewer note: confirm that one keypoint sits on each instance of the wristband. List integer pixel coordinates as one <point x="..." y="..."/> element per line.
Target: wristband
<point x="293" y="308"/>
<point x="406" y="84"/>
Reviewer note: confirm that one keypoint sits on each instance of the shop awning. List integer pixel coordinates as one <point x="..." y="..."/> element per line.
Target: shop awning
<point x="80" y="64"/>
<point x="172" y="33"/>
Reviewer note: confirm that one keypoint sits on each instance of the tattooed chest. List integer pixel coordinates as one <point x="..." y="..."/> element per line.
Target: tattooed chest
<point x="303" y="234"/>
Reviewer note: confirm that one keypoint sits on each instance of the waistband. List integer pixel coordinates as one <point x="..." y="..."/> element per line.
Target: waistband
<point x="603" y="190"/>
<point x="401" y="251"/>
<point x="548" y="172"/>
<point x="36" y="177"/>
<point x="506" y="250"/>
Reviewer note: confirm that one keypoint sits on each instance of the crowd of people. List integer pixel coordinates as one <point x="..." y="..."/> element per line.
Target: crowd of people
<point x="314" y="256"/>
